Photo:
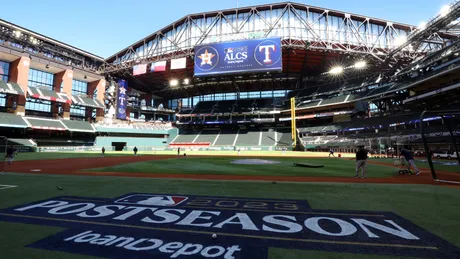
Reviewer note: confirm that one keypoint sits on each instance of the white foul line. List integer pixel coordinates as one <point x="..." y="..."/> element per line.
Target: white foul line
<point x="2" y="187"/>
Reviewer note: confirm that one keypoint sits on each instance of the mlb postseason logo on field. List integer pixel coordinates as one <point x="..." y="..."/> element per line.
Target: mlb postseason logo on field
<point x="142" y="225"/>
<point x="238" y="57"/>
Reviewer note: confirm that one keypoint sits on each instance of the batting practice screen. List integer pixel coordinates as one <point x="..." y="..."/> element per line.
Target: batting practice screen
<point x="261" y="55"/>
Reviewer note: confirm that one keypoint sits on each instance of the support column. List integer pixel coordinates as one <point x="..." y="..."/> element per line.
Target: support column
<point x="63" y="84"/>
<point x="100" y="86"/>
<point x="19" y="73"/>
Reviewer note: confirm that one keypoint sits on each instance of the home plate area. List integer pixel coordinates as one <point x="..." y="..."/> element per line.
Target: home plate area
<point x="139" y="225"/>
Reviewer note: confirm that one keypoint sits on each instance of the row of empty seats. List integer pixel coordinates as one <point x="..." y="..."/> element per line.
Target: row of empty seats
<point x="236" y="137"/>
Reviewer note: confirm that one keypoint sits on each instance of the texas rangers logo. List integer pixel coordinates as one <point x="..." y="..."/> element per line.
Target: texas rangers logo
<point x="267" y="53"/>
<point x="206" y="58"/>
<point x="152" y="200"/>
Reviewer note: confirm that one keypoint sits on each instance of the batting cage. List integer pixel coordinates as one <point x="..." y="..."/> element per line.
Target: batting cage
<point x="440" y="145"/>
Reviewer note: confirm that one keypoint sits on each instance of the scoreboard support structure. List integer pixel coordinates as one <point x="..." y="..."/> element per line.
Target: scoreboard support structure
<point x="293" y="124"/>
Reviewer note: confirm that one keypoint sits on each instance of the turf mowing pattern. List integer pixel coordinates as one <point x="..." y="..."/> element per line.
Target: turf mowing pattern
<point x="434" y="208"/>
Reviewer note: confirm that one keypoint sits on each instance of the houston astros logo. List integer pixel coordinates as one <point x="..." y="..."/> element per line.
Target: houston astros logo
<point x="267" y="53"/>
<point x="206" y="58"/>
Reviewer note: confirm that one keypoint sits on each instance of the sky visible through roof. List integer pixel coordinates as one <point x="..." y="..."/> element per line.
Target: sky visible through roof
<point x="104" y="27"/>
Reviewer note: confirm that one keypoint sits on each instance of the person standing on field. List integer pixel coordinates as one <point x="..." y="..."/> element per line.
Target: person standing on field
<point x="331" y="153"/>
<point x="361" y="161"/>
<point x="135" y="151"/>
<point x="103" y="152"/>
<point x="10" y="153"/>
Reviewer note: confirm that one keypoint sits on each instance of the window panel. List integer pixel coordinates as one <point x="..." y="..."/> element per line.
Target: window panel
<point x="43" y="79"/>
<point x="4" y="71"/>
<point x="79" y="87"/>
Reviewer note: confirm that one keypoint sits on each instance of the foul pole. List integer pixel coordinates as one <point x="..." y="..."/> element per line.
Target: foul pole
<point x="293" y="124"/>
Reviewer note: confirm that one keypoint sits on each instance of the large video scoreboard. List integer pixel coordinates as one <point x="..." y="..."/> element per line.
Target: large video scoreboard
<point x="236" y="57"/>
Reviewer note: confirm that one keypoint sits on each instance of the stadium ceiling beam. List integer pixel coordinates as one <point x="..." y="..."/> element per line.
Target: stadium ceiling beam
<point x="352" y="33"/>
<point x="426" y="33"/>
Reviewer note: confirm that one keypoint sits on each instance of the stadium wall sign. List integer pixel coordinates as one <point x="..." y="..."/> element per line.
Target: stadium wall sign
<point x="260" y="55"/>
<point x="122" y="100"/>
<point x="141" y="225"/>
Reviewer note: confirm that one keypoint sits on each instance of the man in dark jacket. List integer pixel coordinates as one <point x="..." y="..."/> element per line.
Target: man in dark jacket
<point x="361" y="161"/>
<point x="410" y="159"/>
<point x="135" y="151"/>
<point x="10" y="153"/>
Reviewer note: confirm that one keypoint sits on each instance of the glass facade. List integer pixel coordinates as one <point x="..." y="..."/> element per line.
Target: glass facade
<point x="4" y="72"/>
<point x="192" y="101"/>
<point x="42" y="79"/>
<point x="78" y="88"/>
<point x="289" y="23"/>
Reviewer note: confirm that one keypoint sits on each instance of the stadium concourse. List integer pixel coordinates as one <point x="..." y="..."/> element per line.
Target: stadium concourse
<point x="264" y="108"/>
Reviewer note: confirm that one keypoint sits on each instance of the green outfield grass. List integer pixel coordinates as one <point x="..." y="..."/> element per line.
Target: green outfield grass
<point x="224" y="166"/>
<point x="435" y="208"/>
<point x="424" y="166"/>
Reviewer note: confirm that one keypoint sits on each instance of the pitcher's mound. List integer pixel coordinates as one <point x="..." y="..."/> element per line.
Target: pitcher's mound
<point x="254" y="162"/>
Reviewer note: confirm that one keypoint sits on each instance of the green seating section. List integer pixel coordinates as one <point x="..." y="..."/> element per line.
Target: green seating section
<point x="44" y="123"/>
<point x="185" y="137"/>
<point x="207" y="136"/>
<point x="226" y="138"/>
<point x="248" y="138"/>
<point x="17" y="88"/>
<point x="4" y="87"/>
<point x="12" y="120"/>
<point x="20" y="142"/>
<point x="90" y="102"/>
<point x="285" y="139"/>
<point x="82" y="126"/>
<point x="310" y="104"/>
<point x="337" y="99"/>
<point x="33" y="90"/>
<point x="268" y="138"/>
<point x="45" y="92"/>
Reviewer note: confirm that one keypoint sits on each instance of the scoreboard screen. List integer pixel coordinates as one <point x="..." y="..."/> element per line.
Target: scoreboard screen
<point x="248" y="56"/>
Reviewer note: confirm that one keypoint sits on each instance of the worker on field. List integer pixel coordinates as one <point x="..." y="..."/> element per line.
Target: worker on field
<point x="410" y="159"/>
<point x="331" y="153"/>
<point x="103" y="152"/>
<point x="10" y="153"/>
<point x="361" y="161"/>
<point x="135" y="151"/>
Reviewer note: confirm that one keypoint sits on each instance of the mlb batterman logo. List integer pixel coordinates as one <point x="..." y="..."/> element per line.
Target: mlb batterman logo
<point x="152" y="200"/>
<point x="206" y="58"/>
<point x="267" y="53"/>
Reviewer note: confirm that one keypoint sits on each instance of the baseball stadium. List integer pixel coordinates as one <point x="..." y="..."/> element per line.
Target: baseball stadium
<point x="281" y="130"/>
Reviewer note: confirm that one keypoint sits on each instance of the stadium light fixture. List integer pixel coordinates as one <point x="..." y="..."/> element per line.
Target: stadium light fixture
<point x="33" y="40"/>
<point x="17" y="34"/>
<point x="445" y="10"/>
<point x="400" y="40"/>
<point x="360" y="64"/>
<point x="422" y="26"/>
<point x="173" y="82"/>
<point x="186" y="81"/>
<point x="336" y="70"/>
